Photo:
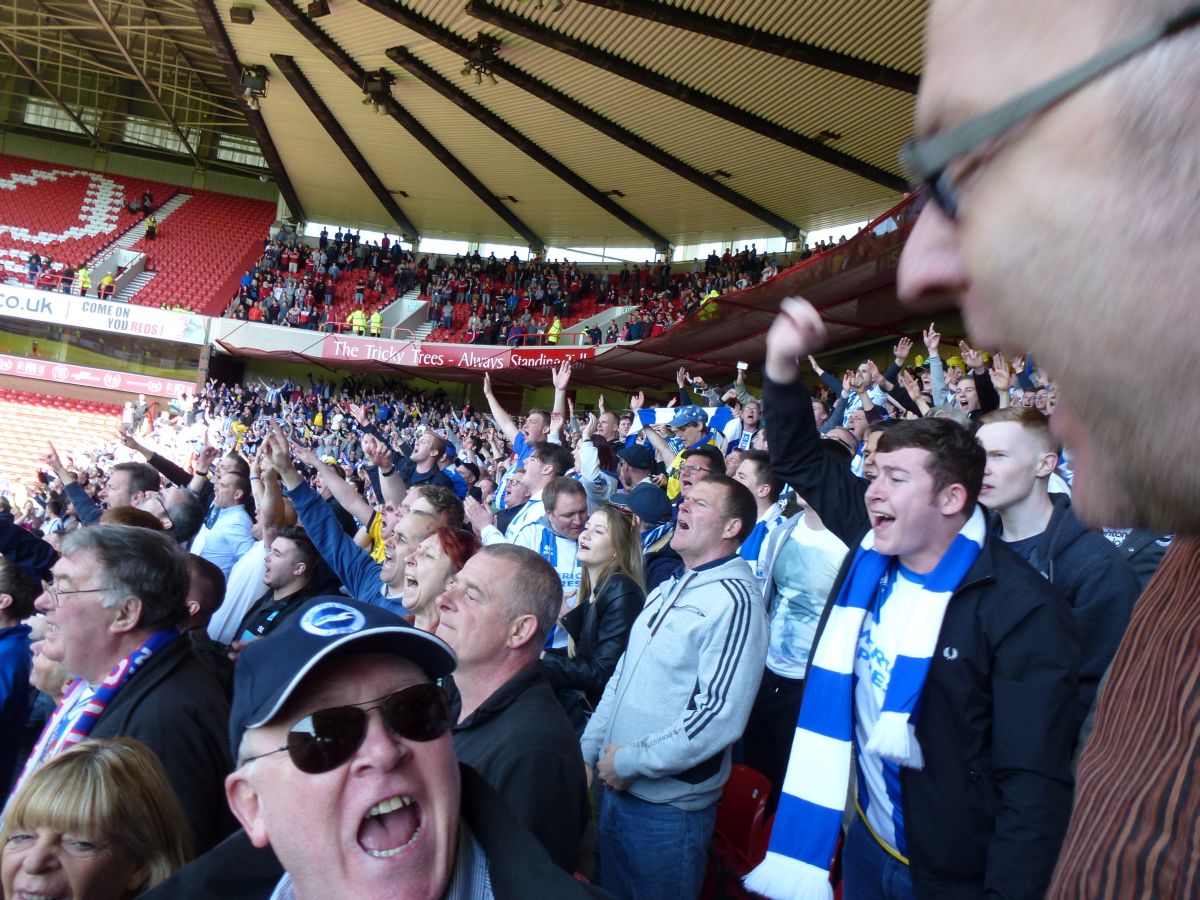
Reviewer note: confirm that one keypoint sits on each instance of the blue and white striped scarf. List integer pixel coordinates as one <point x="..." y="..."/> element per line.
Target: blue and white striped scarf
<point x="809" y="819"/>
<point x="654" y="534"/>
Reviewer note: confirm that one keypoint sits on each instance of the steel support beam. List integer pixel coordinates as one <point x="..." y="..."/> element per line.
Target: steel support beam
<point x="33" y="76"/>
<point x="485" y="11"/>
<point x="346" y="64"/>
<point x="403" y="58"/>
<point x="146" y="86"/>
<point x="301" y="85"/>
<point x="731" y="32"/>
<point x="228" y="60"/>
<point x="544" y="92"/>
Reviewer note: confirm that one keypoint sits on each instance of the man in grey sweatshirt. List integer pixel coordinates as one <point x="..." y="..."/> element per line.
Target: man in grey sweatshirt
<point x="660" y="738"/>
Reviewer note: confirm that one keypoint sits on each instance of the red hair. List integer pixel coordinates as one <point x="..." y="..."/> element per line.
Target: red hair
<point x="457" y="543"/>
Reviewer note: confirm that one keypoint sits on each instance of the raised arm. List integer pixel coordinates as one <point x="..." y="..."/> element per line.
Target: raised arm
<point x="665" y="454"/>
<point x="561" y="379"/>
<point x="937" y="375"/>
<point x="343" y="492"/>
<point x="389" y="486"/>
<point x="503" y="420"/>
<point x="85" y="508"/>
<point x="827" y="485"/>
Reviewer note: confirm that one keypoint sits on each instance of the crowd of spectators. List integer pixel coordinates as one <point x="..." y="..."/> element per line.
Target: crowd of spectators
<point x="475" y="675"/>
<point x="492" y="301"/>
<point x="509" y="577"/>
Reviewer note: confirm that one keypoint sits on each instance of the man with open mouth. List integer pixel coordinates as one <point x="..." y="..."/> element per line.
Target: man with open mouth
<point x="942" y="682"/>
<point x="346" y="768"/>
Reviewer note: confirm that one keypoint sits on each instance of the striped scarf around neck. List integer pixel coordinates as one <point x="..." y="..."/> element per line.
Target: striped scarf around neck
<point x="808" y="821"/>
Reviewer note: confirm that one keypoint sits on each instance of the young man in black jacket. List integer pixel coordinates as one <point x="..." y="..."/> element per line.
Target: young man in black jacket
<point x="1041" y="527"/>
<point x="964" y="782"/>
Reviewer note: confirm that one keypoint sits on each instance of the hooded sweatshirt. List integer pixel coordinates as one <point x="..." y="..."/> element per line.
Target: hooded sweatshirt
<point x="682" y="691"/>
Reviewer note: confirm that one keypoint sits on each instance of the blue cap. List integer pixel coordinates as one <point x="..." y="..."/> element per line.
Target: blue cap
<point x="638" y="456"/>
<point x="647" y="501"/>
<point x="449" y="451"/>
<point x="269" y="670"/>
<point x="689" y="415"/>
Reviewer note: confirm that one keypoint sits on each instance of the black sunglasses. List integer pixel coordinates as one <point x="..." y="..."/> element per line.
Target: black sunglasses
<point x="323" y="740"/>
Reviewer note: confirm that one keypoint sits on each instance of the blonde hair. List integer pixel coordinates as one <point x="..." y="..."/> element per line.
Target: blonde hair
<point x="626" y="537"/>
<point x="115" y="790"/>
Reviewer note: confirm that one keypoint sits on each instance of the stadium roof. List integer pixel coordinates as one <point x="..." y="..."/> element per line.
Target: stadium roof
<point x="615" y="123"/>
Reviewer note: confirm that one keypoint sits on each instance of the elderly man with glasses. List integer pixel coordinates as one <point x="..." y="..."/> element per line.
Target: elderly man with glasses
<point x="114" y="607"/>
<point x="347" y="769"/>
<point x="1059" y="145"/>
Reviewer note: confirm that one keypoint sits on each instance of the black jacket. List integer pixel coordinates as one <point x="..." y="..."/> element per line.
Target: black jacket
<point x="1098" y="584"/>
<point x="176" y="706"/>
<point x="600" y="630"/>
<point x="517" y="862"/>
<point x="998" y="713"/>
<point x="660" y="565"/>
<point x="521" y="741"/>
<point x="1143" y="550"/>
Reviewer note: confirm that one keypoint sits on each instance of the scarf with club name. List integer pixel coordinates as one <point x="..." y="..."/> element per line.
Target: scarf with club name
<point x="809" y="818"/>
<point x="69" y="725"/>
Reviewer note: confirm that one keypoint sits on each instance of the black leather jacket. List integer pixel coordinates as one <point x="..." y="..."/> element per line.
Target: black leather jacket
<point x="600" y="630"/>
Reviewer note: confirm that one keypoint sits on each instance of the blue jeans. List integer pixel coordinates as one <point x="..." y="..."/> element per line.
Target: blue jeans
<point x="652" y="851"/>
<point x="869" y="872"/>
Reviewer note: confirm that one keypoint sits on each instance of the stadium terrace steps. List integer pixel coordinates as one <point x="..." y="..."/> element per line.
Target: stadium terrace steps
<point x="127" y="293"/>
<point x="68" y="212"/>
<point x="138" y="231"/>
<point x="34" y="420"/>
<point x="202" y="251"/>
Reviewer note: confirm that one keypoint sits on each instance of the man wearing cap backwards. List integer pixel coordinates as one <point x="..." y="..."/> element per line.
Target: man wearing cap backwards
<point x="634" y="465"/>
<point x="347" y="770"/>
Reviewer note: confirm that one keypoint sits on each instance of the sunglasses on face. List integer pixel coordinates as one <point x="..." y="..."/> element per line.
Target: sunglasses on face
<point x="325" y="739"/>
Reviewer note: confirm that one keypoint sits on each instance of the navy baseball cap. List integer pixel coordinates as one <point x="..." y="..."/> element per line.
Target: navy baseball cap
<point x="638" y="456"/>
<point x="647" y="501"/>
<point x="689" y="415"/>
<point x="269" y="670"/>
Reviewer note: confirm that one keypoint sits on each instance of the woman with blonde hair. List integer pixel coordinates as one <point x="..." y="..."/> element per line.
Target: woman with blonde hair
<point x="98" y="821"/>
<point x="611" y="594"/>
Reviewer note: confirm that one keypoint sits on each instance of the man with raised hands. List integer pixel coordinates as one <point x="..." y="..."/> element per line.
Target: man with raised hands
<point x="943" y="675"/>
<point x="537" y="423"/>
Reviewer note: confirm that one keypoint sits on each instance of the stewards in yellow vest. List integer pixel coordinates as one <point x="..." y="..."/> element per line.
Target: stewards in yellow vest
<point x="357" y="320"/>
<point x="552" y="334"/>
<point x="376" y="324"/>
<point x="85" y="280"/>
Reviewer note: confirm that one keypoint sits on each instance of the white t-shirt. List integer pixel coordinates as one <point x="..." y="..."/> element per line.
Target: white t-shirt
<point x="560" y="553"/>
<point x="883" y="629"/>
<point x="245" y="585"/>
<point x="804" y="573"/>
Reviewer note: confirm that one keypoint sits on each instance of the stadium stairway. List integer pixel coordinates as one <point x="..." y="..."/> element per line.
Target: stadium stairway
<point x="136" y="233"/>
<point x="201" y="254"/>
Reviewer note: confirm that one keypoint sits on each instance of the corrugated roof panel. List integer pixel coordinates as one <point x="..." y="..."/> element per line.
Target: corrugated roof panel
<point x="870" y="121"/>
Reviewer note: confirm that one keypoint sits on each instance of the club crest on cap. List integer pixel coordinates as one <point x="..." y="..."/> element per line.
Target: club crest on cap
<point x="327" y="619"/>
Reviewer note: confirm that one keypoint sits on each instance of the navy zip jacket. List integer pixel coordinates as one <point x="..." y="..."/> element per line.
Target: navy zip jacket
<point x="1097" y="583"/>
